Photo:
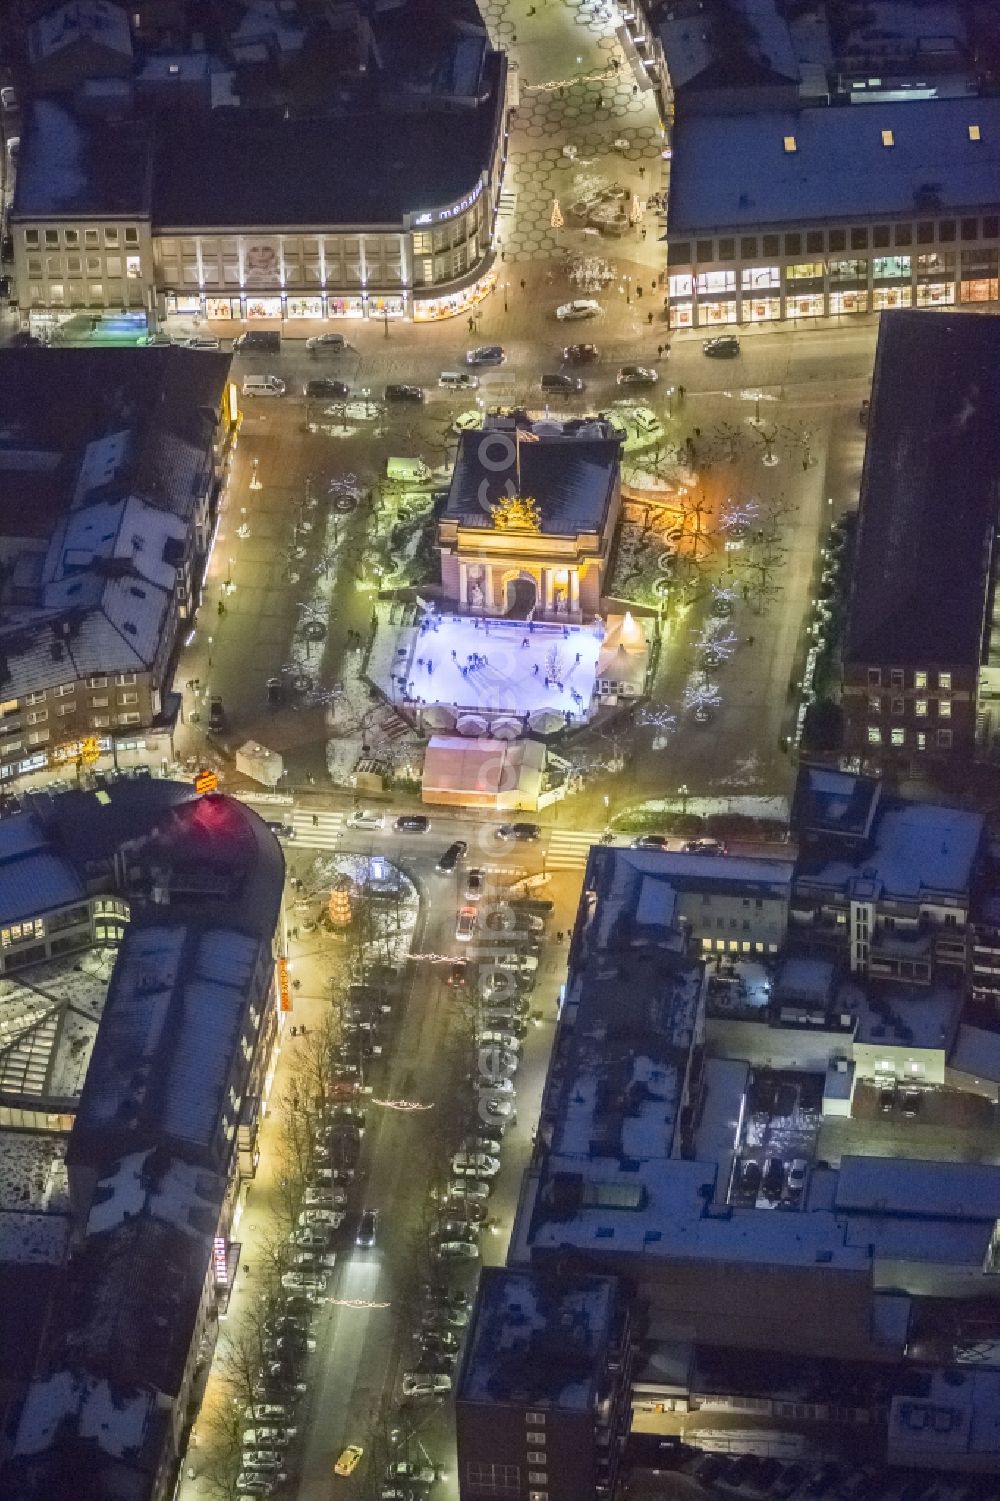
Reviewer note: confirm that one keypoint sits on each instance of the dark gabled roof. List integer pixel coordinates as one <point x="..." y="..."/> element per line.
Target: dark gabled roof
<point x="929" y="492"/>
<point x="571" y="479"/>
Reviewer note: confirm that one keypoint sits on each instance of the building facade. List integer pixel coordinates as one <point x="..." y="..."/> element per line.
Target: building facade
<point x="911" y="218"/>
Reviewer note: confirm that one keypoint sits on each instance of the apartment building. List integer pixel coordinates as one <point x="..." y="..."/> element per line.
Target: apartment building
<point x="110" y="467"/>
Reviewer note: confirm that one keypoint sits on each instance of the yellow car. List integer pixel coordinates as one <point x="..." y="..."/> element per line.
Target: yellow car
<point x="348" y="1461"/>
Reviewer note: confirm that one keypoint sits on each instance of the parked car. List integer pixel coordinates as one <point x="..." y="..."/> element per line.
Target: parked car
<point x="259" y="341"/>
<point x="750" y="1175"/>
<point x="402" y="392"/>
<point x="456" y="1250"/>
<point x="486" y="354"/>
<point x="326" y="344"/>
<point x="886" y="1099"/>
<point x="475" y="880"/>
<point x="723" y="347"/>
<point x="579" y="308"/>
<point x="412" y="823"/>
<point x="580" y="354"/>
<point x="338" y="389"/>
<point x="201" y="341"/>
<point x="651" y="842"/>
<point x="797" y="1173"/>
<point x="410" y="1474"/>
<point x="452" y="855"/>
<point x="637" y="375"/>
<point x="216" y="715"/>
<point x="426" y="1384"/>
<point x="470" y="1188"/>
<point x="773" y="1179"/>
<point x="519" y="832"/>
<point x="474" y="1165"/>
<point x="910" y="1102"/>
<point x="275" y="693"/>
<point x="703" y="847"/>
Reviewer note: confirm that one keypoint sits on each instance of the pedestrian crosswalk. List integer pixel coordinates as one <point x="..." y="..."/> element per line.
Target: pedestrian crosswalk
<point x="320" y="831"/>
<point x="568" y="849"/>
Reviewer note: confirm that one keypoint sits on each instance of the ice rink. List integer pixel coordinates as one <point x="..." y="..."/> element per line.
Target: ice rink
<point x="508" y="665"/>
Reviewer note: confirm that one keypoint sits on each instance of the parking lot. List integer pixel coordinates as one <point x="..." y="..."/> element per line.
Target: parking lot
<point x="780" y="1128"/>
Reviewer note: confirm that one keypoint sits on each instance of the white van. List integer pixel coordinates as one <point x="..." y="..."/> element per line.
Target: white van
<point x="458" y="380"/>
<point x="409" y="471"/>
<point x="506" y="959"/>
<point x="263" y="385"/>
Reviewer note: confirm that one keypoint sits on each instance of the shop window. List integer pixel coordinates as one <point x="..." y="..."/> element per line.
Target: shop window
<point x="681" y="252"/>
<point x="925" y="232"/>
<point x="849" y="270"/>
<point x="706" y="251"/>
<point x="838" y="239"/>
<point x="903" y="234"/>
<point x="681" y="285"/>
<point x="772" y="245"/>
<point x="727" y="250"/>
<point x="880" y="236"/>
<point x="715" y="281"/>
<point x="874" y="735"/>
<point x="748" y="246"/>
<point x="886" y="267"/>
<point x="805" y="271"/>
<point x="793" y="244"/>
<point x="859" y="239"/>
<point x="760" y="278"/>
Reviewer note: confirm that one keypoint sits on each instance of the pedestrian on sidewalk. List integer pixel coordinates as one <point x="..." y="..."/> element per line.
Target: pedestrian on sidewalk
<point x="315" y="820"/>
<point x="523" y="283"/>
<point x="681" y="393"/>
<point x="649" y="317"/>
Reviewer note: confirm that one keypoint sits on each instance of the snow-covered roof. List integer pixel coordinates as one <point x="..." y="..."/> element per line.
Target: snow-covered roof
<point x="33" y="1172"/>
<point x="839" y="171"/>
<point x="539" y="1339"/>
<point x="178" y="1194"/>
<point x="913" y="1187"/>
<point x="26" y="1237"/>
<point x="115" y="1419"/>
<point x="917" y="851"/>
<point x="95" y="21"/>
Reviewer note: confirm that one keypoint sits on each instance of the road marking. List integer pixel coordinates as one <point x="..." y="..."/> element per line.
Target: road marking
<point x="321" y="831"/>
<point x="568" y="849"/>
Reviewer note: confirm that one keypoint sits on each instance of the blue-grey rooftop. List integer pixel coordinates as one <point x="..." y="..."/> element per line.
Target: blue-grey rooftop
<point x="68" y="166"/>
<point x="538" y="1340"/>
<point x="917" y="851"/>
<point x="35" y="877"/>
<point x="910" y="1186"/>
<point x="834" y="803"/>
<point x="734" y="172"/>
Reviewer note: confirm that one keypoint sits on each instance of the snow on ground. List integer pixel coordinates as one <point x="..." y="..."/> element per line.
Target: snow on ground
<point x="524" y="667"/>
<point x="776" y="808"/>
<point x="33" y="1171"/>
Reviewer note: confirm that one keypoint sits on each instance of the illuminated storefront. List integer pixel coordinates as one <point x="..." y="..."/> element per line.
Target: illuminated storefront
<point x="433" y="309"/>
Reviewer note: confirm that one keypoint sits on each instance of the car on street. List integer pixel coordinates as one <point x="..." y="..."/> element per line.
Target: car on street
<point x="579" y="308"/>
<point x="426" y="1383"/>
<point x="338" y="389"/>
<point x="275" y="693"/>
<point x="467" y="422"/>
<point x="452" y="855"/>
<point x="349" y="1460"/>
<point x="412" y="823"/>
<point x="458" y="974"/>
<point x="404" y="1473"/>
<point x="522" y="833"/>
<point x="580" y="354"/>
<point x="367" y="1229"/>
<point x="216" y="714"/>
<point x="456" y="1250"/>
<point x="570" y="384"/>
<point x="401" y="392"/>
<point x="326" y="344"/>
<point x="466" y="924"/>
<point x="797" y="1172"/>
<point x="486" y="354"/>
<point x="458" y="380"/>
<point x="366" y="818"/>
<point x="475" y="880"/>
<point x="723" y="347"/>
<point x="637" y="375"/>
<point x="474" y="1165"/>
<point x="651" y="842"/>
<point x="703" y="847"/>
